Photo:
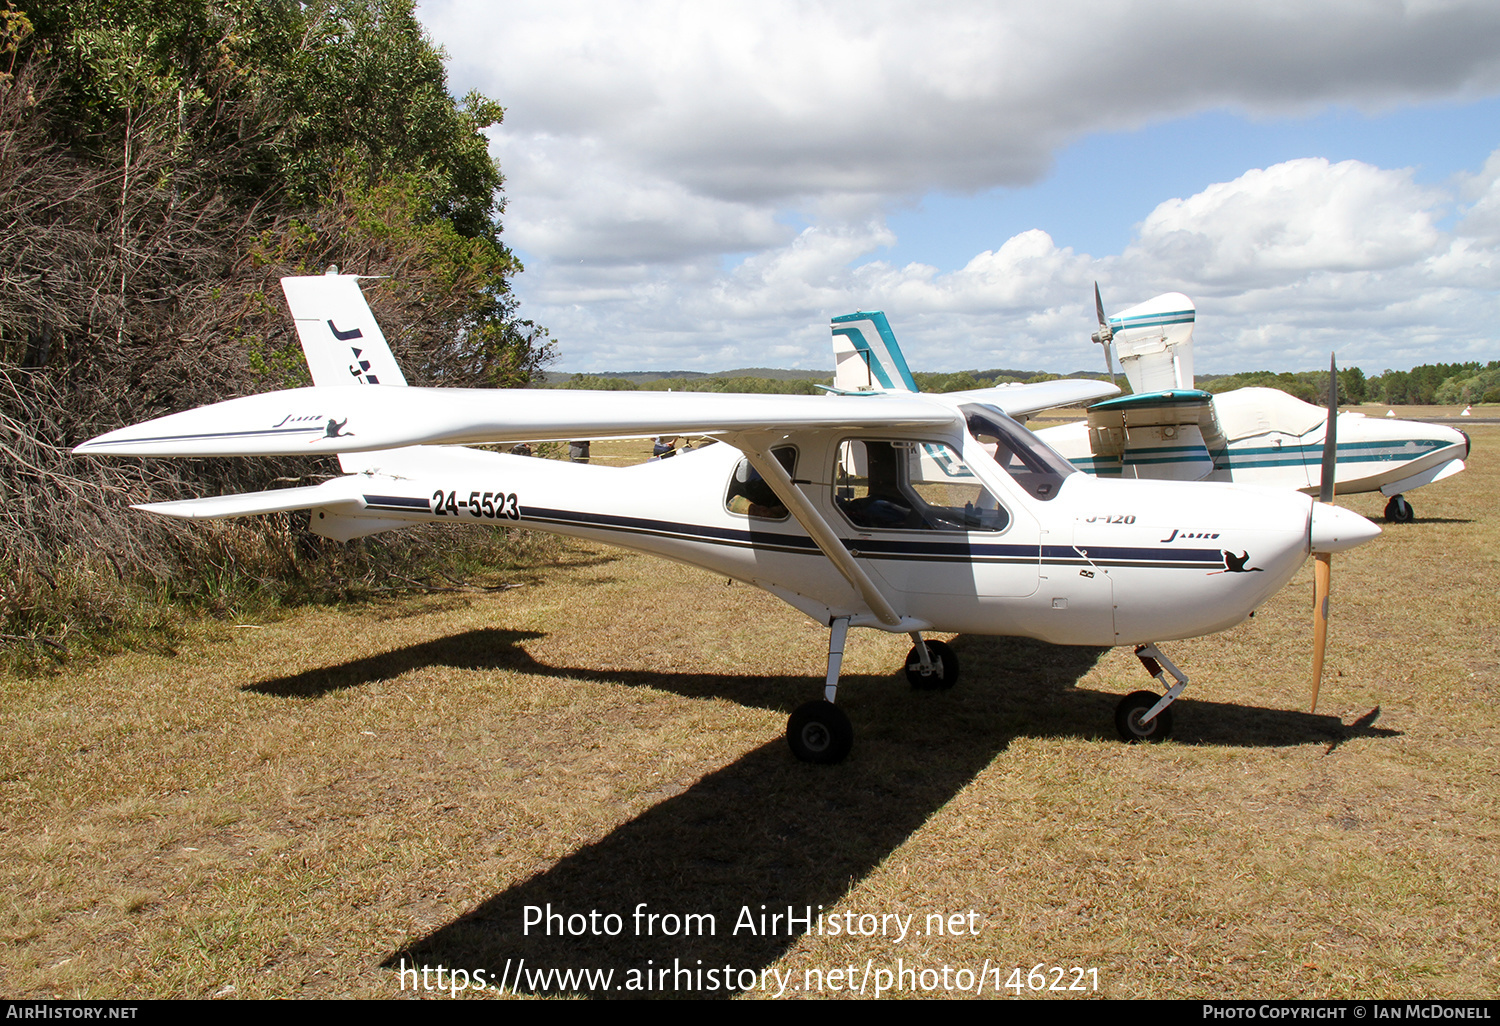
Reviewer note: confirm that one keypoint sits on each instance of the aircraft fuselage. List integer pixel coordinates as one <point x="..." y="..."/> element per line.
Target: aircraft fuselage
<point x="1116" y="563"/>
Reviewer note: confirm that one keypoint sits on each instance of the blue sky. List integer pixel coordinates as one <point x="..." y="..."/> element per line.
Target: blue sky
<point x="1103" y="184"/>
<point x="702" y="186"/>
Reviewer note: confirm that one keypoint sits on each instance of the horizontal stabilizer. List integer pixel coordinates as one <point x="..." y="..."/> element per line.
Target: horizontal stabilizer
<point x="1022" y="400"/>
<point x="336" y="494"/>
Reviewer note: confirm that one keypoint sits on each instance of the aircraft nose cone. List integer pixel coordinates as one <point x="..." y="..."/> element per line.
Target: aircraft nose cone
<point x="1334" y="529"/>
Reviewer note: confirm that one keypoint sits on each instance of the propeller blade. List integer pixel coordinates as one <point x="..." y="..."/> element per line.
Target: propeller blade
<point x="1105" y="334"/>
<point x="1322" y="581"/>
<point x="1330" y="436"/>
<point x="1323" y="567"/>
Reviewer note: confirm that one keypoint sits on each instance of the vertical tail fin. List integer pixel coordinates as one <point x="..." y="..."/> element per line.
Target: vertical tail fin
<point x="866" y="356"/>
<point x="342" y="342"/>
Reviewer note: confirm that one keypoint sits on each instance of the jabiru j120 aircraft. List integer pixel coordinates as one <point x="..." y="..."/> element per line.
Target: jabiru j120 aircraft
<point x="902" y="513"/>
<point x="1169" y="430"/>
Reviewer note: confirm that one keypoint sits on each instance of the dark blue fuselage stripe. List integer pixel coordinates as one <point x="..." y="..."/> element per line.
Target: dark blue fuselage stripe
<point x="868" y="548"/>
<point x="1211" y="559"/>
<point x="1300" y="455"/>
<point x="397" y="502"/>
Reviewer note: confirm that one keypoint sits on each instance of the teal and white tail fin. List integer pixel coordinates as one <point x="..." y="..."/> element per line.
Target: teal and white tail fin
<point x="1154" y="343"/>
<point x="342" y="342"/>
<point x="866" y="357"/>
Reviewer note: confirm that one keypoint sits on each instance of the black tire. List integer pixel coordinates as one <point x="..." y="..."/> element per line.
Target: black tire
<point x="819" y="732"/>
<point x="943" y="660"/>
<point x="1128" y="718"/>
<point x="1399" y="511"/>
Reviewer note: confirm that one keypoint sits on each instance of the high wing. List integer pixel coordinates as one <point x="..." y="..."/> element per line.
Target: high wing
<point x="322" y="419"/>
<point x="1022" y="400"/>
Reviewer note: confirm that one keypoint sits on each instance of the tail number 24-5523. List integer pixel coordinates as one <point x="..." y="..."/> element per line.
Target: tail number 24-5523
<point x="489" y="505"/>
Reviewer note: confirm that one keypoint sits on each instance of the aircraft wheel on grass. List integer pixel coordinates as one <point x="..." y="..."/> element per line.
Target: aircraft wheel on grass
<point x="1128" y="718"/>
<point x="819" y="732"/>
<point x="1399" y="511"/>
<point x="943" y="660"/>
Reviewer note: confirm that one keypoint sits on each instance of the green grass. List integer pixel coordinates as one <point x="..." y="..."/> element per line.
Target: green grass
<point x="289" y="806"/>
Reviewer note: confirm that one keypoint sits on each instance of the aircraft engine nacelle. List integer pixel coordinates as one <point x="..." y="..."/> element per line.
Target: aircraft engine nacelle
<point x="1170" y="435"/>
<point x="1154" y="342"/>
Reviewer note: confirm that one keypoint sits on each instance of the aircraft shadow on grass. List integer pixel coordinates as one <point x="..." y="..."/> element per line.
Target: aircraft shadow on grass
<point x="487" y="649"/>
<point x="766" y="829"/>
<point x="1011" y="686"/>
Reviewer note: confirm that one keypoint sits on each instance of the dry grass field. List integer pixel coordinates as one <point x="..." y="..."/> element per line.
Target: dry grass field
<point x="301" y="807"/>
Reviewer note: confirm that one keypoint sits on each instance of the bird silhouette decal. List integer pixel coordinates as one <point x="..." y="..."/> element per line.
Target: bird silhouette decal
<point x="335" y="429"/>
<point x="1236" y="564"/>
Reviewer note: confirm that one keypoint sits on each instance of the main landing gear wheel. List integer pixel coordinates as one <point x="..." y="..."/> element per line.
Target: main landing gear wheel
<point x="819" y="732"/>
<point x="1399" y="511"/>
<point x="944" y="665"/>
<point x="1128" y="718"/>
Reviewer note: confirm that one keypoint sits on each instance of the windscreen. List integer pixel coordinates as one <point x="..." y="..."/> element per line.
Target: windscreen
<point x="1034" y="465"/>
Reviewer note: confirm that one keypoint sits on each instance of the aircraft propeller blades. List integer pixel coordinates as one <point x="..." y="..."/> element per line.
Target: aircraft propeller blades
<point x="1323" y="567"/>
<point x="1105" y="334"/>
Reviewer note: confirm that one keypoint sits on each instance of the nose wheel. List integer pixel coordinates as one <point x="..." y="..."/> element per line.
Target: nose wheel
<point x="1399" y="511"/>
<point x="1130" y="722"/>
<point x="1145" y="715"/>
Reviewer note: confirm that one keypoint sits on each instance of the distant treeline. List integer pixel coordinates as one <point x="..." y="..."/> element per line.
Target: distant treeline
<point x="787" y="383"/>
<point x="1427" y="385"/>
<point x="705" y="383"/>
<point x="1430" y="384"/>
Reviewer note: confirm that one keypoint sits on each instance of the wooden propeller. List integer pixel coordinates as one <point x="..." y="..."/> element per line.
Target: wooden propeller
<point x="1323" y="568"/>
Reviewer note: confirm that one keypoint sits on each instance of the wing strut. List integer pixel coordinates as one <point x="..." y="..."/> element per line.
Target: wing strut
<point x="813" y="523"/>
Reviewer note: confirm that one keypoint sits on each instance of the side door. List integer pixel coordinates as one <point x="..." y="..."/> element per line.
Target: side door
<point x="921" y="521"/>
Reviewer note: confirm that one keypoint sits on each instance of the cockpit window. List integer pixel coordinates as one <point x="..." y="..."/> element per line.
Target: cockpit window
<point x="912" y="486"/>
<point x="1034" y="465"/>
<point x="750" y="495"/>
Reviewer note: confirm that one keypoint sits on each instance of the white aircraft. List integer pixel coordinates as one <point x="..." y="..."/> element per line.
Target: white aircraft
<point x="829" y="503"/>
<point x="1172" y="431"/>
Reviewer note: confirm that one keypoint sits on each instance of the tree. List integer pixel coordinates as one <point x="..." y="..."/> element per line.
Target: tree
<point x="161" y="165"/>
<point x="1352" y="384"/>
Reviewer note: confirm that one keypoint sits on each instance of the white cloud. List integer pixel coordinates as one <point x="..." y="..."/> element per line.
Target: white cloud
<point x="1481" y="218"/>
<point x="781" y="99"/>
<point x="1281" y="223"/>
<point x="1304" y="257"/>
<point x="1285" y="263"/>
<point x="656" y="155"/>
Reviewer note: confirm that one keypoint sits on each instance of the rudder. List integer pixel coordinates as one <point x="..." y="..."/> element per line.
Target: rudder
<point x="340" y="338"/>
